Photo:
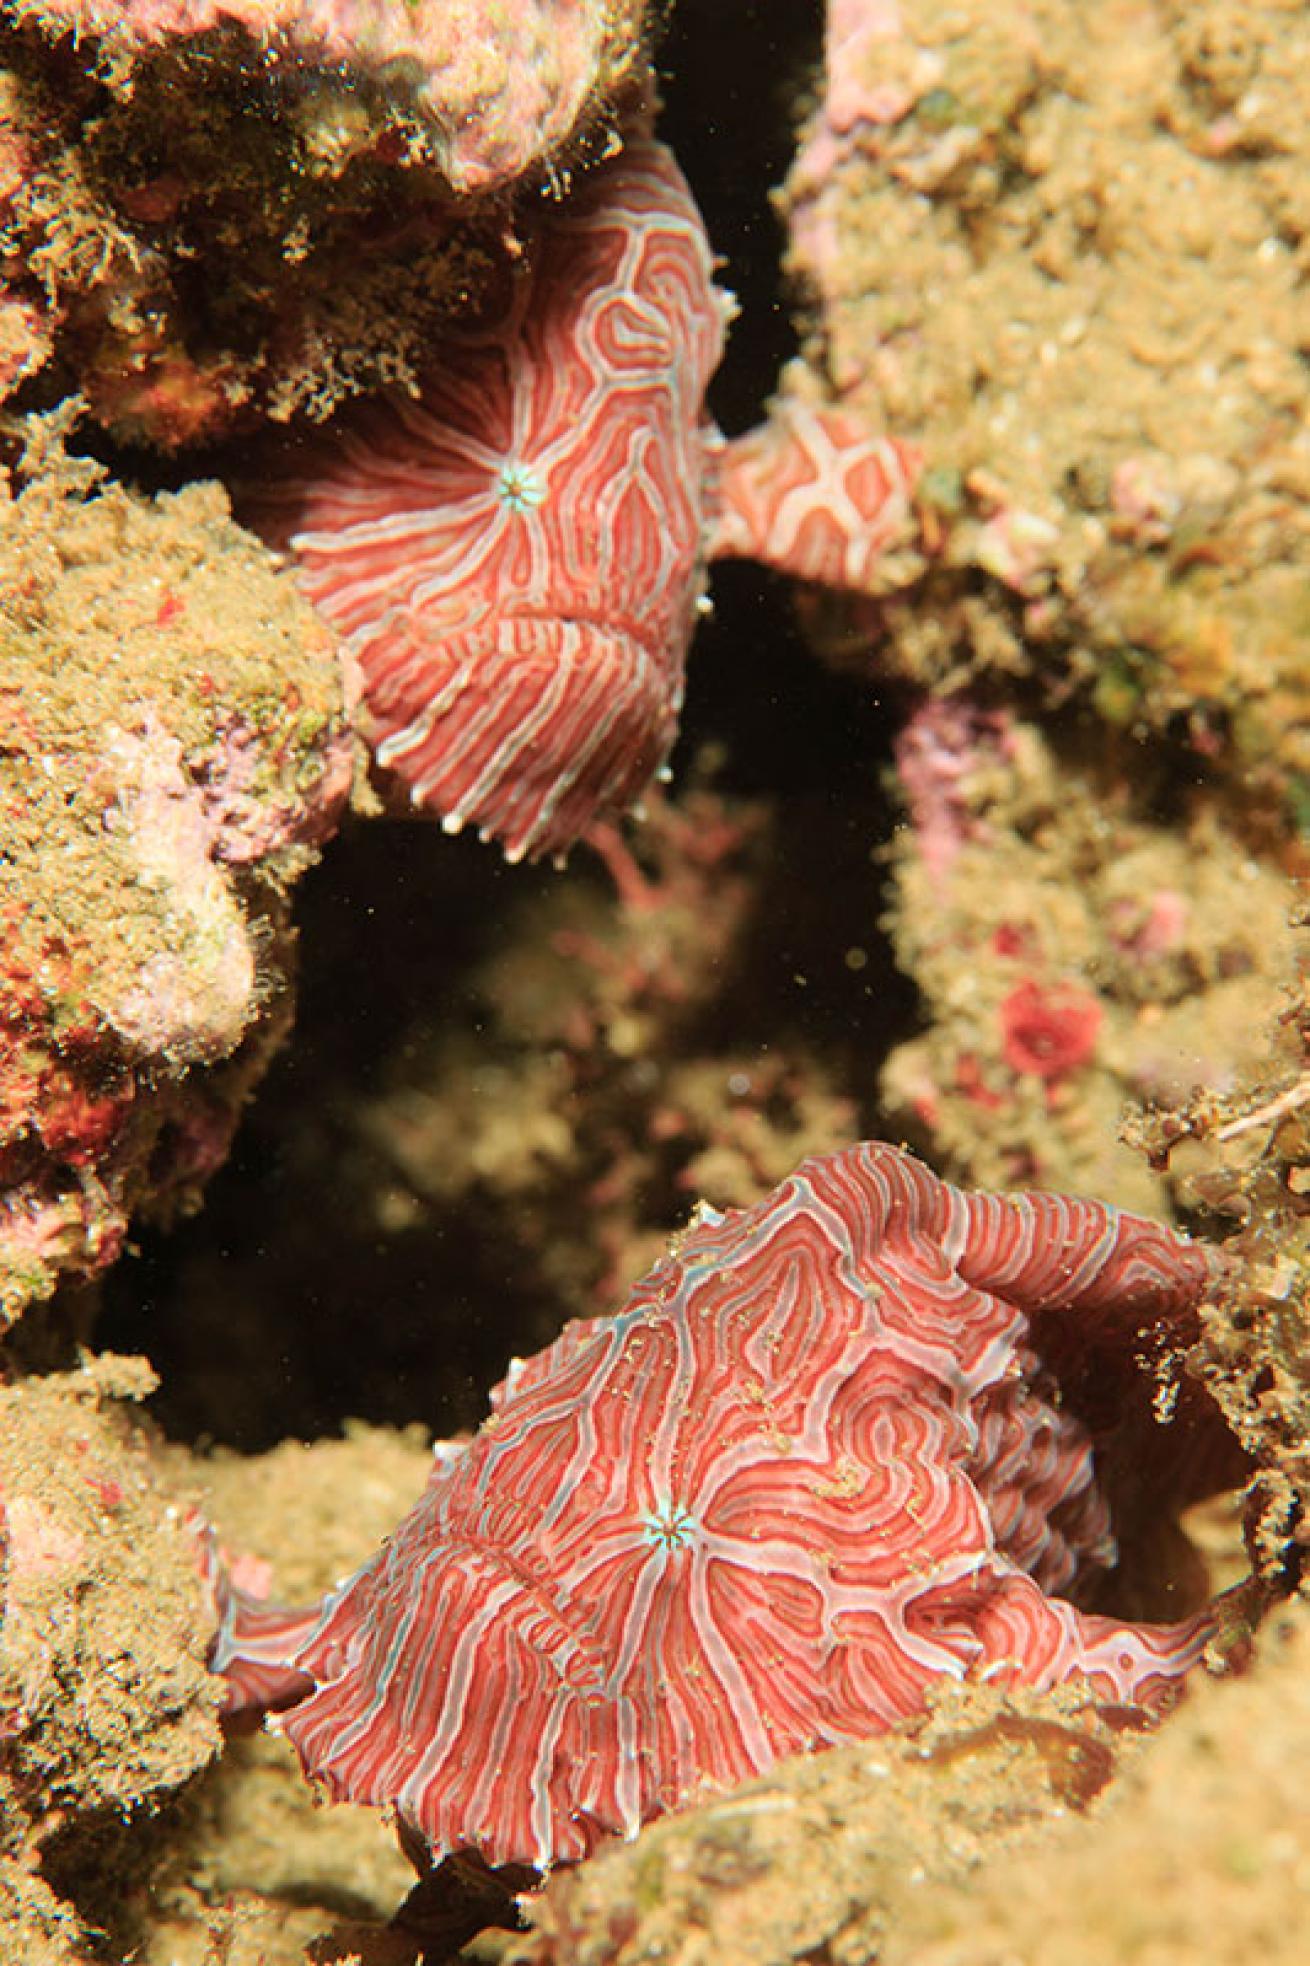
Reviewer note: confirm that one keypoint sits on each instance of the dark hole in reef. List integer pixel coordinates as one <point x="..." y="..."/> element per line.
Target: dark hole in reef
<point x="1161" y="1446"/>
<point x="283" y="1308"/>
<point x="732" y="77"/>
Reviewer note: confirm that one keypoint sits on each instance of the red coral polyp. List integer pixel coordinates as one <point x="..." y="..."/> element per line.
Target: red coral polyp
<point x="1048" y="1032"/>
<point x="815" y="1463"/>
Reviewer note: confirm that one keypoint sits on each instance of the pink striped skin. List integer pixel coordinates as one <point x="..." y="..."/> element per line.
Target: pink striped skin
<point x="258" y="1637"/>
<point x="817" y="497"/>
<point x="517" y="557"/>
<point x="812" y="1465"/>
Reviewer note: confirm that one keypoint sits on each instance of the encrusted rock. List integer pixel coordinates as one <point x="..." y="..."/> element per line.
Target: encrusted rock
<point x="176" y="749"/>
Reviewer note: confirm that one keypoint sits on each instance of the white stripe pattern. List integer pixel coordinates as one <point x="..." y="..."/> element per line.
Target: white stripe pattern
<point x="815" y="1463"/>
<point x="516" y="558"/>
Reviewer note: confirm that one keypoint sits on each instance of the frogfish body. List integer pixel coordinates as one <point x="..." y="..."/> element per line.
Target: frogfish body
<point x="516" y="556"/>
<point x="816" y="1461"/>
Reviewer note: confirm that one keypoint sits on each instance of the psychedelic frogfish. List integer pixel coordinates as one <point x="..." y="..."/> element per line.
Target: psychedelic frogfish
<point x="517" y="555"/>
<point x="832" y="1448"/>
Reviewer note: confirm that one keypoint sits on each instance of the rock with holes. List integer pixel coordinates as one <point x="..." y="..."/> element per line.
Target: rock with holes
<point x="830" y="1450"/>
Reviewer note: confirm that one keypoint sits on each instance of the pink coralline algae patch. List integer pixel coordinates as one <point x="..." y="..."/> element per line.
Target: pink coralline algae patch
<point x="503" y="85"/>
<point x="873" y="75"/>
<point x="939" y="749"/>
<point x="516" y="558"/>
<point x="816" y="1462"/>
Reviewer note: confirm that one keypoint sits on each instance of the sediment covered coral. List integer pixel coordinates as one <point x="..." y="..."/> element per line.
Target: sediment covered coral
<point x="306" y="158"/>
<point x="494" y="89"/>
<point x="980" y="1841"/>
<point x="1068" y="261"/>
<point x="27" y="315"/>
<point x="1077" y="957"/>
<point x="1245" y="1151"/>
<point x="175" y="751"/>
<point x="106" y="1709"/>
